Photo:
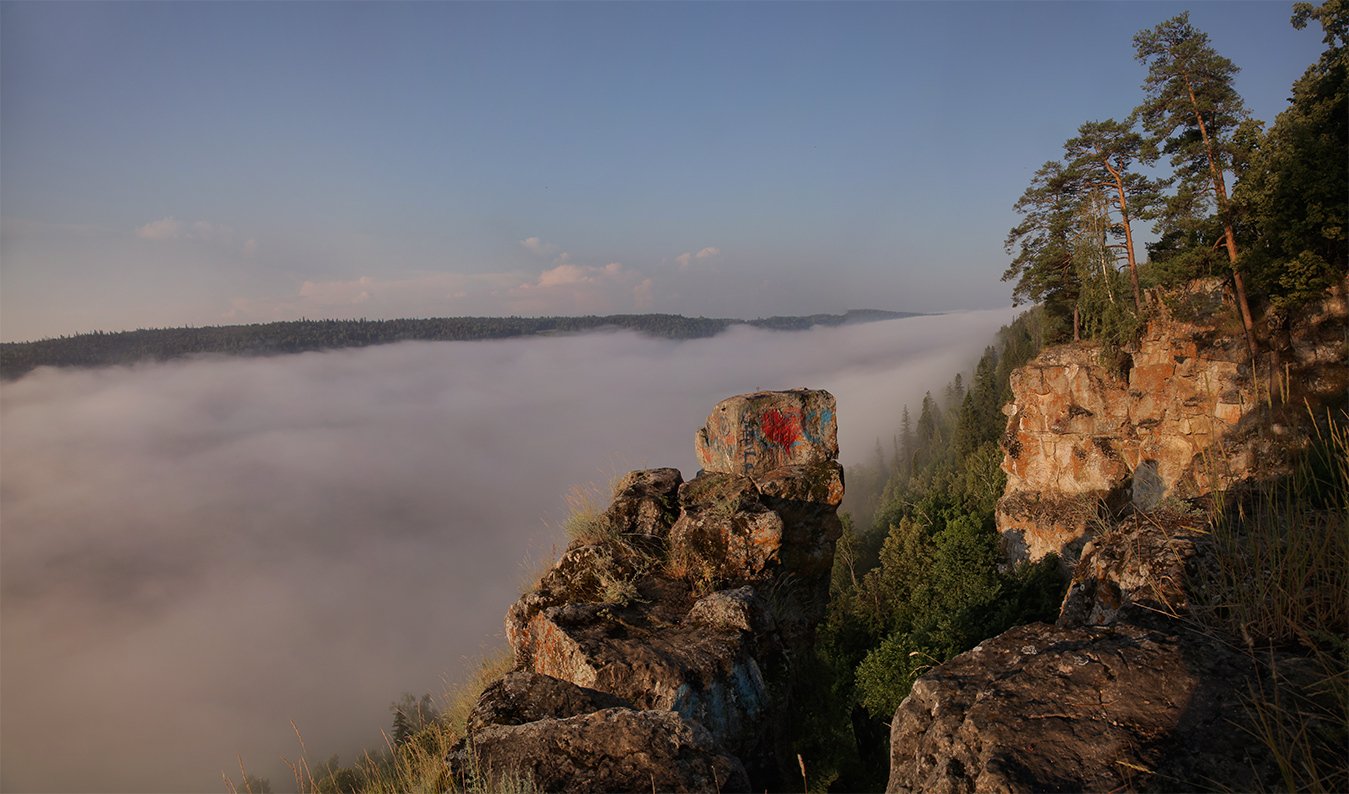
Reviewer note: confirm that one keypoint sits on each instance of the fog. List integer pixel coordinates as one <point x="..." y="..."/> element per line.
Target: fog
<point x="194" y="554"/>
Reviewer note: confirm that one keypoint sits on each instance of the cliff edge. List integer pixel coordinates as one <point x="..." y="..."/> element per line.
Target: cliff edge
<point x="658" y="652"/>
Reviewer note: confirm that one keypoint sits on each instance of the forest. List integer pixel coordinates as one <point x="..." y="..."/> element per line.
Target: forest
<point x="101" y="349"/>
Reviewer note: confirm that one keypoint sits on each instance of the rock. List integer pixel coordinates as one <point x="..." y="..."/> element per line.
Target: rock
<point x="724" y="535"/>
<point x="579" y="577"/>
<point x="686" y="610"/>
<point x="614" y="749"/>
<point x="645" y="502"/>
<point x="1048" y="708"/>
<point x="704" y="668"/>
<point x="522" y="696"/>
<point x="1137" y="571"/>
<point x="737" y="609"/>
<point x="1082" y="439"/>
<point x="752" y="433"/>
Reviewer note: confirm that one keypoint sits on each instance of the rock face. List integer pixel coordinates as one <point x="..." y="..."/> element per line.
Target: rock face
<point x="1051" y="708"/>
<point x="1083" y="437"/>
<point x="766" y="430"/>
<point x="657" y="651"/>
<point x="1122" y="692"/>
<point x="615" y="749"/>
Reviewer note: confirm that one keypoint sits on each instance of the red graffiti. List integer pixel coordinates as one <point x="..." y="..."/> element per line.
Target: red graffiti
<point x="783" y="430"/>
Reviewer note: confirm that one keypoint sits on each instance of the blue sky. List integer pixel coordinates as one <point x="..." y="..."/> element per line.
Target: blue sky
<point x="205" y="163"/>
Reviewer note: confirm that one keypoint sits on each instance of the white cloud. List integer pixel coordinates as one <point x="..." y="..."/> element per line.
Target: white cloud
<point x="163" y="229"/>
<point x="538" y="247"/>
<point x="642" y="297"/>
<point x="568" y="275"/>
<point x="687" y="258"/>
<point x="170" y="228"/>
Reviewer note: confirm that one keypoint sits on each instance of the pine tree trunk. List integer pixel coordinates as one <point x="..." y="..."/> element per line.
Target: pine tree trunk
<point x="1229" y="238"/>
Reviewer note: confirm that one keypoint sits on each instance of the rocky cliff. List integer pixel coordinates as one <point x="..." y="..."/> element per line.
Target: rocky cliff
<point x="1176" y="418"/>
<point x="658" y="652"/>
<point x="1127" y="690"/>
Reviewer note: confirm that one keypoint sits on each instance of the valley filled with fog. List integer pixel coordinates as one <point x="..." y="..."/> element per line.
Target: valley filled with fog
<point x="197" y="553"/>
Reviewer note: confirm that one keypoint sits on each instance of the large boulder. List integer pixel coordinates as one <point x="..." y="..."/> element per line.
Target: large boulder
<point x="522" y="696"/>
<point x="1047" y="708"/>
<point x="613" y="749"/>
<point x="752" y="433"/>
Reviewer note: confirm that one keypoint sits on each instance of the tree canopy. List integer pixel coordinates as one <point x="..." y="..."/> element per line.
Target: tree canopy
<point x="1271" y="210"/>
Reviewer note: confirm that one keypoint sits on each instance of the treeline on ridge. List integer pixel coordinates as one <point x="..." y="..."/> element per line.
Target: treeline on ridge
<point x="100" y="349"/>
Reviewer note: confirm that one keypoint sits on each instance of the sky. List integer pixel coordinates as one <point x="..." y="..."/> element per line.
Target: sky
<point x="197" y="553"/>
<point x="167" y="164"/>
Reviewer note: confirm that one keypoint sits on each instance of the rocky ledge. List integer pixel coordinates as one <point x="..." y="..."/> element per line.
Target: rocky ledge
<point x="657" y="653"/>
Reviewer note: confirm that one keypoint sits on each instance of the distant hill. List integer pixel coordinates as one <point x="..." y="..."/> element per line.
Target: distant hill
<point x="101" y="349"/>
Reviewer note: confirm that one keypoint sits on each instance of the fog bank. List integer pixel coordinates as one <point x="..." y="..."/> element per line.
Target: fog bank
<point x="196" y="553"/>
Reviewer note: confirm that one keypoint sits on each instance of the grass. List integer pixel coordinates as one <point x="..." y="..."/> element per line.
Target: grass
<point x="1280" y="587"/>
<point x="586" y="524"/>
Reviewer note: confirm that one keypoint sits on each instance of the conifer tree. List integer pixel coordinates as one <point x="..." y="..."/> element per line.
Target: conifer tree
<point x="1296" y="191"/>
<point x="1104" y="156"/>
<point x="1042" y="244"/>
<point x="1195" y="112"/>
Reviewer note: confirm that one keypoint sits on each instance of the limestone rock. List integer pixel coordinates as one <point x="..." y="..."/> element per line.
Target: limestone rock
<point x="645" y="502"/>
<point x="523" y="696"/>
<point x="704" y="667"/>
<point x="737" y="609"/>
<point x="752" y="433"/>
<point x="725" y="535"/>
<point x="614" y="749"/>
<point x="1046" y="708"/>
<point x="1137" y="571"/>
<point x="1083" y="439"/>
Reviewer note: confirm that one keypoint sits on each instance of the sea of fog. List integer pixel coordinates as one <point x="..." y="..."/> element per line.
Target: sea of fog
<point x="195" y="554"/>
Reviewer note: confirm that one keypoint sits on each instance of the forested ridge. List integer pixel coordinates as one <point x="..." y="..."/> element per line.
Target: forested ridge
<point x="100" y="349"/>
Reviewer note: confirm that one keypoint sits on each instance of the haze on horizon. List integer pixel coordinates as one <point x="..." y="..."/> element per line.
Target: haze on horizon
<point x="197" y="552"/>
<point x="172" y="164"/>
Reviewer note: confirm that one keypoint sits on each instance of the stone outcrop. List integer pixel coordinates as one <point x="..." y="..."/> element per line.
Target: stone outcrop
<point x="763" y="431"/>
<point x="1119" y="693"/>
<point x="657" y="651"/>
<point x="1123" y="691"/>
<point x="615" y="749"/>
<point x="1174" y="421"/>
<point x="1052" y="708"/>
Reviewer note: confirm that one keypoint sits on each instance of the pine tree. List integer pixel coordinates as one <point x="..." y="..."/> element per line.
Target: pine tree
<point x="1296" y="191"/>
<point x="1042" y="244"/>
<point x="1195" y="112"/>
<point x="1103" y="156"/>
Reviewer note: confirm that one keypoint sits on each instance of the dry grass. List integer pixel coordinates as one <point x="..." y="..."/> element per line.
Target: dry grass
<point x="1280" y="583"/>
<point x="586" y="523"/>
